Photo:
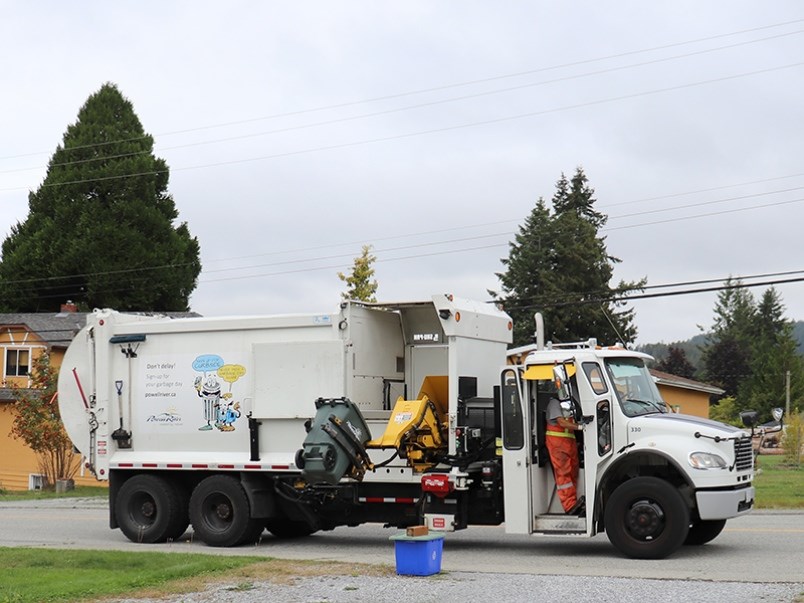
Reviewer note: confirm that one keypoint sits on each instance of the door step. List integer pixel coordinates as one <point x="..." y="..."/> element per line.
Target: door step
<point x="559" y="524"/>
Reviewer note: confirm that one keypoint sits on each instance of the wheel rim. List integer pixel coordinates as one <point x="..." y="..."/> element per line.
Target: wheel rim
<point x="218" y="512"/>
<point x="645" y="520"/>
<point x="142" y="509"/>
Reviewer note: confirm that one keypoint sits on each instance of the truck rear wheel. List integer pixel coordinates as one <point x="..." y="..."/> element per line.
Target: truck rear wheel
<point x="220" y="513"/>
<point x="646" y="518"/>
<point x="702" y="532"/>
<point x="151" y="509"/>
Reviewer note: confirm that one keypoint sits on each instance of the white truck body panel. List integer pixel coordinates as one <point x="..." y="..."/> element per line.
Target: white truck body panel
<point x="190" y="384"/>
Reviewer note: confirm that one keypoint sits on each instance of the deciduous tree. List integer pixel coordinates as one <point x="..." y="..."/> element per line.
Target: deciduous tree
<point x="37" y="422"/>
<point x="360" y="284"/>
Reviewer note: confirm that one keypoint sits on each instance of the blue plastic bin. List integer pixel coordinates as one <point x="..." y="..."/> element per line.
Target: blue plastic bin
<point x="418" y="555"/>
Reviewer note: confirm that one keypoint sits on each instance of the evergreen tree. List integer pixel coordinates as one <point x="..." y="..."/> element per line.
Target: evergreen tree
<point x="531" y="263"/>
<point x="100" y="229"/>
<point x="558" y="265"/>
<point x="360" y="284"/>
<point x="728" y="353"/>
<point x="727" y="363"/>
<point x="752" y="350"/>
<point x="774" y="357"/>
<point x="735" y="312"/>
<point x="676" y="363"/>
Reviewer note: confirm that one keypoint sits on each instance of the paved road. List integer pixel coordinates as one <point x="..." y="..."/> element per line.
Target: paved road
<point x="765" y="547"/>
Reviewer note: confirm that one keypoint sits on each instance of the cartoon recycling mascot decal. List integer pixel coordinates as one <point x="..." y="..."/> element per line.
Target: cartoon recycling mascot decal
<point x="220" y="410"/>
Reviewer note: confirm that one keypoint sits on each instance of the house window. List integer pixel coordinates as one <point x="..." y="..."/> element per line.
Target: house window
<point x="17" y="363"/>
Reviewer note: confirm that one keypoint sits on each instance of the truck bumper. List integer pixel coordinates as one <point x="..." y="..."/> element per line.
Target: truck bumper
<point x="724" y="504"/>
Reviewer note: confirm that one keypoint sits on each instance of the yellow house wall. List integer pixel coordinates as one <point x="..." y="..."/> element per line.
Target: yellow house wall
<point x="17" y="461"/>
<point x="687" y="401"/>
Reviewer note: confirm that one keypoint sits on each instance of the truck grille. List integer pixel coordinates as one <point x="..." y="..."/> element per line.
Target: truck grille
<point x="743" y="454"/>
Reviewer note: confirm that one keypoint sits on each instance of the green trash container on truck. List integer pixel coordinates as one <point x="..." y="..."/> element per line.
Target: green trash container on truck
<point x="335" y="443"/>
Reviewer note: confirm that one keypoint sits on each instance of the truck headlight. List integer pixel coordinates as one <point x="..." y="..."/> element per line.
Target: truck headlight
<point x="707" y="460"/>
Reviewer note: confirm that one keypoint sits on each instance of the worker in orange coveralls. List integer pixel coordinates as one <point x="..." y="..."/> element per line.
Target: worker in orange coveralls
<point x="563" y="449"/>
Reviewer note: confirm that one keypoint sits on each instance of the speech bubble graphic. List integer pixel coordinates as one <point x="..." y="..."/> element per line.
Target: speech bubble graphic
<point x="231" y="373"/>
<point x="207" y="363"/>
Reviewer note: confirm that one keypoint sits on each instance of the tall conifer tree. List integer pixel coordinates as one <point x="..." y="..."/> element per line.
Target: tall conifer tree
<point x="100" y="229"/>
<point x="558" y="265"/>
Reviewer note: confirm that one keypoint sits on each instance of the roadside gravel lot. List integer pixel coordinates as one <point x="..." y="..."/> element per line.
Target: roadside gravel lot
<point x="459" y="586"/>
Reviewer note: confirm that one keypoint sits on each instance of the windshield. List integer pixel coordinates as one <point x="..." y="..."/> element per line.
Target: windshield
<point x="635" y="388"/>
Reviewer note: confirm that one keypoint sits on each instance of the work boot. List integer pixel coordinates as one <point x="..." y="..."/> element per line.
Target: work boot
<point x="579" y="508"/>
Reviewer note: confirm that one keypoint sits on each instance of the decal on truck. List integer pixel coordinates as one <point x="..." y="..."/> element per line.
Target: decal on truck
<point x="219" y="408"/>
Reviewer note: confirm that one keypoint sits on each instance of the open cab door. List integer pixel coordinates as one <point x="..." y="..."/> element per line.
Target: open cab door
<point x="531" y="501"/>
<point x="516" y="452"/>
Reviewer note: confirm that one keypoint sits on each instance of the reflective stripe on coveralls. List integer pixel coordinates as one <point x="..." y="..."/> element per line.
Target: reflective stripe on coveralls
<point x="564" y="458"/>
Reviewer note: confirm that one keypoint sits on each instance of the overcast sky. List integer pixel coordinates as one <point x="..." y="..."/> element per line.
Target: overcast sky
<point x="296" y="132"/>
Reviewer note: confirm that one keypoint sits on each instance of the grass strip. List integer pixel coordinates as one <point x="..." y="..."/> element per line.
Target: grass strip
<point x="78" y="492"/>
<point x="778" y="486"/>
<point x="40" y="575"/>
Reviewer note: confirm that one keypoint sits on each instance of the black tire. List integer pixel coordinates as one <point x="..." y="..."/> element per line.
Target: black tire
<point x="646" y="518"/>
<point x="702" y="532"/>
<point x="181" y="522"/>
<point x="286" y="529"/>
<point x="150" y="509"/>
<point x="220" y="513"/>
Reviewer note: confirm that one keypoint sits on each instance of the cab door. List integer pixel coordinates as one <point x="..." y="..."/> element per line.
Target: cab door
<point x="597" y="400"/>
<point x="516" y="453"/>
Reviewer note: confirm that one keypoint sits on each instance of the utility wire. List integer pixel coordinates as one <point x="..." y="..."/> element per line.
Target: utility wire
<point x="397" y="109"/>
<point x="456" y="85"/>
<point x="440" y="130"/>
<point x="145" y="269"/>
<point x="626" y="298"/>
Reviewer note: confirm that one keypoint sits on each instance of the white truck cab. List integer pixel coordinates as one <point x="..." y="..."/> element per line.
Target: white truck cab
<point x="652" y="479"/>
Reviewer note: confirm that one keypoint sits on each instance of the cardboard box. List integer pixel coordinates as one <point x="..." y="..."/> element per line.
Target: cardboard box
<point x="413" y="531"/>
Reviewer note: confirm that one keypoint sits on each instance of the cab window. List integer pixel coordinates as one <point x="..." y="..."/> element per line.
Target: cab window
<point x="595" y="377"/>
<point x="513" y="418"/>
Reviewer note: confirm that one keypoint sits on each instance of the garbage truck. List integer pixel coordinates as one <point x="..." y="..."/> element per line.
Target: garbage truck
<point x="402" y="414"/>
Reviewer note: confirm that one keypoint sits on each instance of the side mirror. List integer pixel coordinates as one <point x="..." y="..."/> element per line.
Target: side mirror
<point x="560" y="375"/>
<point x="561" y="381"/>
<point x="777" y="413"/>
<point x="749" y="417"/>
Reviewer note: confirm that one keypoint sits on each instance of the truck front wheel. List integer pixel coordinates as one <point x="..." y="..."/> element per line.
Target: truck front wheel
<point x="220" y="513"/>
<point x="646" y="518"/>
<point x="151" y="509"/>
<point x="702" y="532"/>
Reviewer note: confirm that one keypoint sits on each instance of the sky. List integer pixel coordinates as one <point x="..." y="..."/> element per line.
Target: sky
<point x="297" y="132"/>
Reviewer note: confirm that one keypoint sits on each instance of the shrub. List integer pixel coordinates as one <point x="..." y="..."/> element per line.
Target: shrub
<point x="793" y="438"/>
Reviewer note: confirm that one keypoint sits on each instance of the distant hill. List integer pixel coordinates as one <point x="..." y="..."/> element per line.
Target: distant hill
<point x="692" y="347"/>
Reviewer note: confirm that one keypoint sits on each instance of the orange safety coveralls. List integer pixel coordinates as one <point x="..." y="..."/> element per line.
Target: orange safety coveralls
<point x="564" y="457"/>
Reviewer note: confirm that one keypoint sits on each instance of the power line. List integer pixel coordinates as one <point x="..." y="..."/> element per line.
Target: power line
<point x="440" y="130"/>
<point x="617" y="298"/>
<point x="400" y="109"/>
<point x="460" y="84"/>
<point x="704" y="190"/>
<point x="706" y="215"/>
<point x="143" y="269"/>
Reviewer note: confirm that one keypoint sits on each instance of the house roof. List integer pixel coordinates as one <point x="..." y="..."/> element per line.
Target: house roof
<point x="56" y="330"/>
<point x="662" y="378"/>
